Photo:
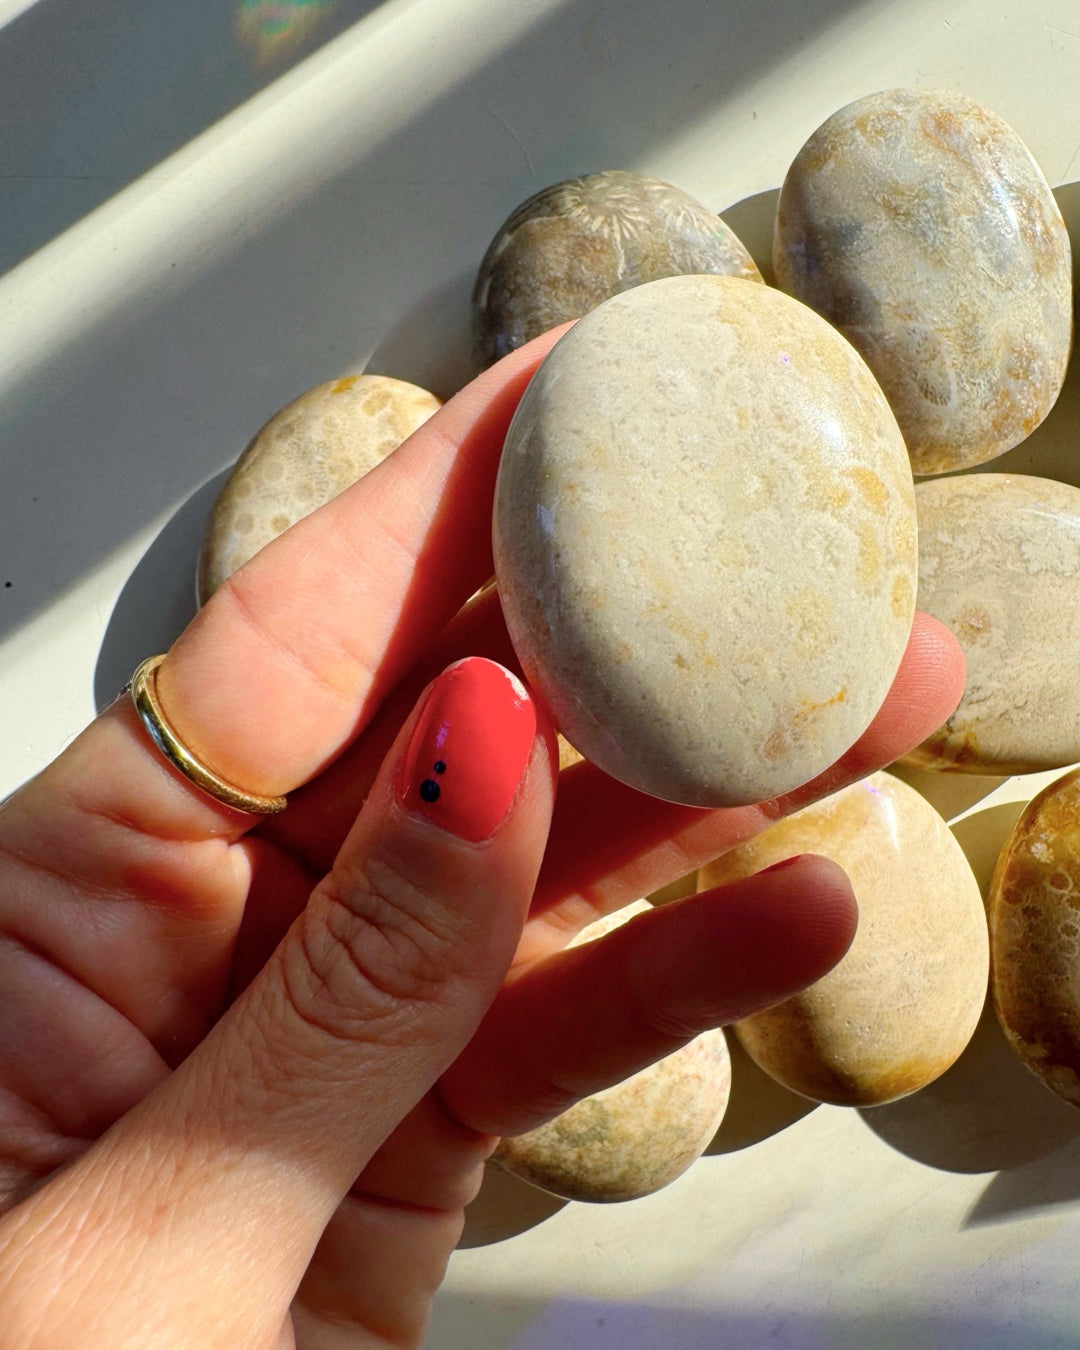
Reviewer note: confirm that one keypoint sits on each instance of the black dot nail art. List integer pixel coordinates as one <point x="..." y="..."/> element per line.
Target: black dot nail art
<point x="429" y="789"/>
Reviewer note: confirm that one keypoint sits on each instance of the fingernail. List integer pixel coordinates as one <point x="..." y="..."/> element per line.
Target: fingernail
<point x="469" y="749"/>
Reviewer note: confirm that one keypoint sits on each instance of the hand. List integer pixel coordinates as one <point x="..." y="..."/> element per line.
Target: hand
<point x="250" y="1069"/>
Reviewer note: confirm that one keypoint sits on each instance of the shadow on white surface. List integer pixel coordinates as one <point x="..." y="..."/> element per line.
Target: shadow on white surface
<point x="1044" y="1184"/>
<point x="753" y="220"/>
<point x="431" y="345"/>
<point x="155" y="390"/>
<point x="758" y="1107"/>
<point x="77" y="82"/>
<point x="983" y="834"/>
<point x="158" y="599"/>
<point x="987" y="1113"/>
<point x="949" y="794"/>
<point x="505" y="1207"/>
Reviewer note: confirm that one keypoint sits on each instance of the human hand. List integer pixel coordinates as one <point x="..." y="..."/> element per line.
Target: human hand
<point x="250" y="1069"/>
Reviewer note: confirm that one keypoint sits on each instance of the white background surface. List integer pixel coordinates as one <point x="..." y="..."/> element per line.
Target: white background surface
<point x="189" y="239"/>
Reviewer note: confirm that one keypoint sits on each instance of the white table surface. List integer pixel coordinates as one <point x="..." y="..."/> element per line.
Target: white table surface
<point x="192" y="233"/>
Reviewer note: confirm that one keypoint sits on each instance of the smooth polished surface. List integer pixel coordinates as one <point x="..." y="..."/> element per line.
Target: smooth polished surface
<point x="579" y="242"/>
<point x="999" y="563"/>
<point x="705" y="540"/>
<point x="900" y="1007"/>
<point x="1035" y="937"/>
<point x="918" y="222"/>
<point x="638" y="1136"/>
<point x="306" y="454"/>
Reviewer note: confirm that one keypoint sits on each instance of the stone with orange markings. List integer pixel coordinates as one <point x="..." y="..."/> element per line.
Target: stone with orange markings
<point x="307" y="453"/>
<point x="1035" y="937"/>
<point x="920" y="225"/>
<point x="705" y="540"/>
<point x="638" y="1136"/>
<point x="999" y="564"/>
<point x="902" y="1004"/>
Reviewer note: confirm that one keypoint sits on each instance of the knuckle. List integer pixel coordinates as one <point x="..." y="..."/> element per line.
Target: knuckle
<point x="665" y="1028"/>
<point x="673" y="1031"/>
<point x="659" y="1020"/>
<point x="373" y="949"/>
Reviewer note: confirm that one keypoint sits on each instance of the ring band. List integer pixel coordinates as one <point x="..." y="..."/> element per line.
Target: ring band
<point x="143" y="690"/>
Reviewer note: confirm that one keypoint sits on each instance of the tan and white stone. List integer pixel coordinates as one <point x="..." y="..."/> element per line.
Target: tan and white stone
<point x="999" y="564"/>
<point x="638" y="1136"/>
<point x="920" y="225"/>
<point x="307" y="453"/>
<point x="705" y="540"/>
<point x="904" y="1001"/>
<point x="1035" y="937"/>
<point x="575" y="243"/>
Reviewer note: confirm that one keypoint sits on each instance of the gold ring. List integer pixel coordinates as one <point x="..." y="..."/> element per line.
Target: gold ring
<point x="143" y="690"/>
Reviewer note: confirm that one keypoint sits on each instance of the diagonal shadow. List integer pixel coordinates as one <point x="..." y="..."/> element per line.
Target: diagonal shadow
<point x="167" y="386"/>
<point x="1044" y="1184"/>
<point x="77" y="83"/>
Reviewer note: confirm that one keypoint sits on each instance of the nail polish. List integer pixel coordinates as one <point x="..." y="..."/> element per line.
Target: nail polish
<point x="469" y="749"/>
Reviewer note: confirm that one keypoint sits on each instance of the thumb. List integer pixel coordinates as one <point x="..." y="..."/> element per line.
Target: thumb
<point x="206" y="1202"/>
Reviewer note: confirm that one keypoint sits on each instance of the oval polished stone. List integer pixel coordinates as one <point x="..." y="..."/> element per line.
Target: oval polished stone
<point x="638" y="1136"/>
<point x="574" y="244"/>
<point x="999" y="564"/>
<point x="1035" y="937"/>
<point x="705" y="540"/>
<point x="918" y="223"/>
<point x="307" y="453"/>
<point x="904" y="1001"/>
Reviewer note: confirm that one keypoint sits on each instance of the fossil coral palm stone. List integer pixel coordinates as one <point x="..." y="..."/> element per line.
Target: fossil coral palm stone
<point x="705" y="540"/>
<point x="1035" y="937"/>
<point x="311" y="450"/>
<point x="920" y="225"/>
<point x="904" y="1001"/>
<point x="564" y="250"/>
<point x="638" y="1136"/>
<point x="999" y="564"/>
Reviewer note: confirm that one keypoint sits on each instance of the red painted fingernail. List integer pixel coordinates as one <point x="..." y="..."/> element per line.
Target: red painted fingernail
<point x="469" y="749"/>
